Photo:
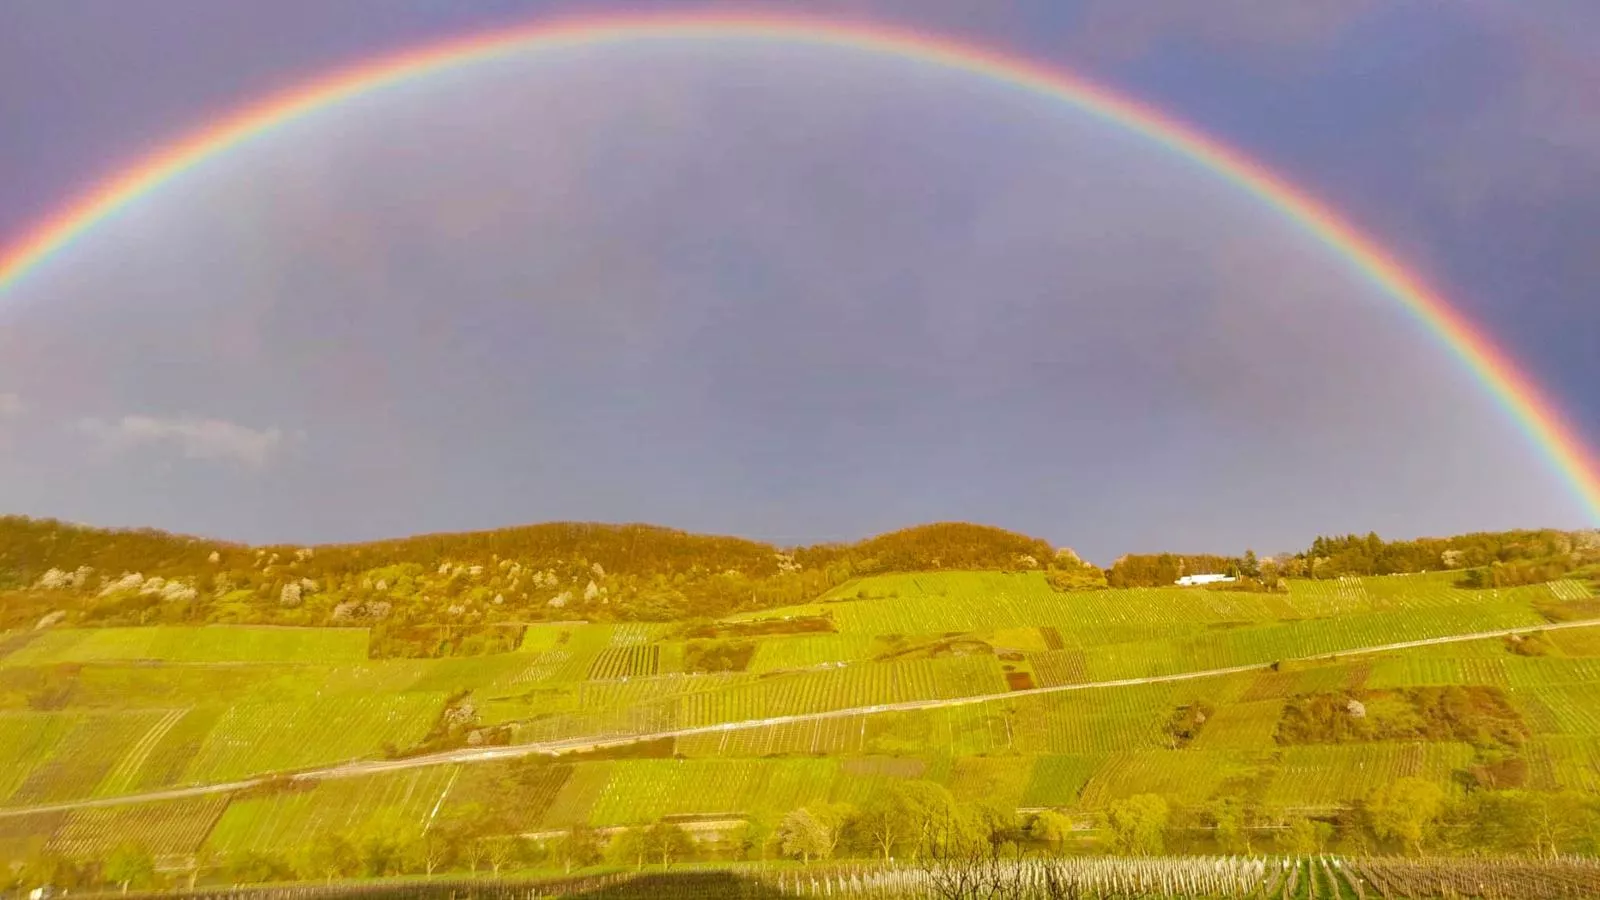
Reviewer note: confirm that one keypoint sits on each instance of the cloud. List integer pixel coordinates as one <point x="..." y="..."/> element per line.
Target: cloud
<point x="11" y="406"/>
<point x="209" y="439"/>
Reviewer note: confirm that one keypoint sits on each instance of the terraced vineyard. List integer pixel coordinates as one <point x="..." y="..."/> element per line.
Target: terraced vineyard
<point x="786" y="720"/>
<point x="170" y="829"/>
<point x="254" y="738"/>
<point x="1335" y="775"/>
<point x="212" y="644"/>
<point x="397" y="806"/>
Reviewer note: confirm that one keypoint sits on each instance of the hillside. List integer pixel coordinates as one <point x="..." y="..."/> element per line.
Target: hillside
<point x="453" y="594"/>
<point x="1412" y="713"/>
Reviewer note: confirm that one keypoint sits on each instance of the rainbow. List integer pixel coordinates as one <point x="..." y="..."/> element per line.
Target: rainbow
<point x="1514" y="391"/>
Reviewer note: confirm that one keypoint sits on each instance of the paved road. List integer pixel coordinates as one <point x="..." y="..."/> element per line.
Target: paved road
<point x="554" y="748"/>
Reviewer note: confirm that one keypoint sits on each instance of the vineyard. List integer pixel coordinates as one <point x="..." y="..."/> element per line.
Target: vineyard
<point x="76" y="754"/>
<point x="852" y="686"/>
<point x="168" y="829"/>
<point x="809" y="651"/>
<point x="643" y="791"/>
<point x="398" y="806"/>
<point x="1187" y="776"/>
<point x="631" y="661"/>
<point x="1056" y="781"/>
<point x="799" y="719"/>
<point x="206" y="644"/>
<point x="1177" y="878"/>
<point x="1334" y="775"/>
<point x="273" y="737"/>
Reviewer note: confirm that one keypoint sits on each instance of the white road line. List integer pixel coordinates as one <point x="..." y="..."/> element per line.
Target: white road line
<point x="357" y="768"/>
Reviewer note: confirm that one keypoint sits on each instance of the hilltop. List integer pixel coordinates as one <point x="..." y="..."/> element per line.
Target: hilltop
<point x="454" y="593"/>
<point x="468" y="593"/>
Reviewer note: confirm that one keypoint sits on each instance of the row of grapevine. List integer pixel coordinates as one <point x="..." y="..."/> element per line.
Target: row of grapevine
<point x="195" y="644"/>
<point x="1263" y="644"/>
<point x="1241" y="726"/>
<point x="854" y="686"/>
<point x="81" y="756"/>
<point x="268" y="737"/>
<point x="1335" y="774"/>
<point x="631" y="661"/>
<point x="167" y="829"/>
<point x="642" y="791"/>
<point x="396" y="805"/>
<point x="811" y="650"/>
<point x="1189" y="776"/>
<point x="1223" y="878"/>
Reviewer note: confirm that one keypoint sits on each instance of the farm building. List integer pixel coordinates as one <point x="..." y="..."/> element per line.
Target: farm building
<point x="1191" y="580"/>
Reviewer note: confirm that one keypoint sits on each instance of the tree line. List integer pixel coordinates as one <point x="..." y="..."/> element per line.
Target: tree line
<point x="466" y="594"/>
<point x="913" y="822"/>
<point x="454" y="594"/>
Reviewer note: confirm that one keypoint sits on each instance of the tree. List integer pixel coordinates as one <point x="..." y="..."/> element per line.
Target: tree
<point x="580" y="846"/>
<point x="475" y="852"/>
<point x="1406" y="810"/>
<point x="994" y="824"/>
<point x="1299" y="838"/>
<point x="1562" y="820"/>
<point x="802" y="835"/>
<point x="331" y="856"/>
<point x="255" y="866"/>
<point x="668" y="842"/>
<point x="754" y="837"/>
<point x="380" y="855"/>
<point x="934" y="817"/>
<point x="1076" y="576"/>
<point x="1050" y="827"/>
<point x="836" y="818"/>
<point x="886" y="820"/>
<point x="130" y="863"/>
<point x="1232" y="818"/>
<point x="202" y="859"/>
<point x="1325" y="833"/>
<point x="501" y="850"/>
<point x="629" y="847"/>
<point x="434" y="849"/>
<point x="1138" y="824"/>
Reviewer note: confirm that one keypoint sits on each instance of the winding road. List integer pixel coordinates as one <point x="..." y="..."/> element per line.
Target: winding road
<point x="359" y="768"/>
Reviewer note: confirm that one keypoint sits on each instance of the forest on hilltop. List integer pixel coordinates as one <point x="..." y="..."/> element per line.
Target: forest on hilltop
<point x="454" y="589"/>
<point x="468" y="593"/>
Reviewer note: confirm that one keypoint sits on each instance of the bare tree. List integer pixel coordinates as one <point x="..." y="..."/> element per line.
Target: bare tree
<point x="501" y="850"/>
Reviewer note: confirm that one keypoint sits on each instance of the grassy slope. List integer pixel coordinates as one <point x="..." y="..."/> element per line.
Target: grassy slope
<point x="101" y="713"/>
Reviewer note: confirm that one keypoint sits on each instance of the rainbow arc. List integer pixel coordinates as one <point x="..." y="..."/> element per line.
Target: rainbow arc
<point x="1511" y="388"/>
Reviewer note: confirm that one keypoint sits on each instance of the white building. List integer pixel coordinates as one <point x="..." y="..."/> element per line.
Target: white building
<point x="1191" y="580"/>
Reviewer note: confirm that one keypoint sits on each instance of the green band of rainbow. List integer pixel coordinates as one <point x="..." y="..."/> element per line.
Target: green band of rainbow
<point x="1512" y="389"/>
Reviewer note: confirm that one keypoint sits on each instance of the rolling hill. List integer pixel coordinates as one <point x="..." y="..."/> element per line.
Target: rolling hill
<point x="243" y="709"/>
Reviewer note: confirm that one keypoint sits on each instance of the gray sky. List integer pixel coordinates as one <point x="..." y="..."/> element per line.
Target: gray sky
<point x="795" y="293"/>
